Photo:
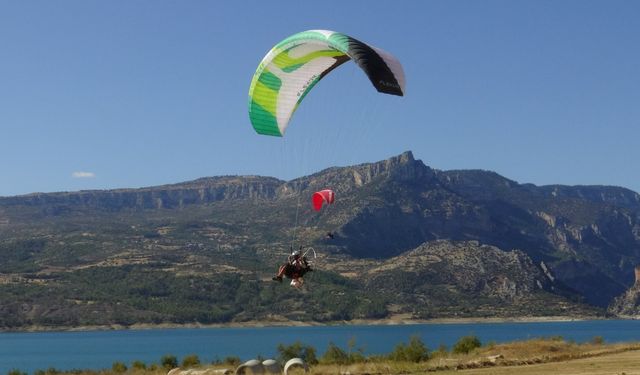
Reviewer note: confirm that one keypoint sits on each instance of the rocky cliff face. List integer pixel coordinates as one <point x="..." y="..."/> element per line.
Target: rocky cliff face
<point x="587" y="234"/>
<point x="198" y="192"/>
<point x="628" y="304"/>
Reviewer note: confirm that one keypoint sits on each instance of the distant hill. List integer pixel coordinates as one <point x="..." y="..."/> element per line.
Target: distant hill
<point x="409" y="241"/>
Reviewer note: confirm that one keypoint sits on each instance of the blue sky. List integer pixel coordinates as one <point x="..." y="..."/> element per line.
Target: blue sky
<point x="140" y="93"/>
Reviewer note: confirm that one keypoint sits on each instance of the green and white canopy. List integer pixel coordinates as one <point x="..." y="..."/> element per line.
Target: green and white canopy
<point x="296" y="64"/>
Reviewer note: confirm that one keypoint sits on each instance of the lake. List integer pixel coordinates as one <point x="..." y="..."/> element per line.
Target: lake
<point x="99" y="349"/>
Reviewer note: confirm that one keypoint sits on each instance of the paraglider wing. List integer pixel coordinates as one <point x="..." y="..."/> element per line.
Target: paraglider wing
<point x="321" y="197"/>
<point x="293" y="67"/>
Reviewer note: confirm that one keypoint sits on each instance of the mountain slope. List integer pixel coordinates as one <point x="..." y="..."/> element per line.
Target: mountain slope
<point x="588" y="235"/>
<point x="229" y="233"/>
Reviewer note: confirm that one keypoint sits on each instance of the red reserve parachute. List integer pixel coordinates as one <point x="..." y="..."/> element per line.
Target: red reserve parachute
<point x="322" y="197"/>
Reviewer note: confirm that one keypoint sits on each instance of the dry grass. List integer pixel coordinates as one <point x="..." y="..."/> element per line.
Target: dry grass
<point x="625" y="363"/>
<point x="548" y="350"/>
<point x="537" y="356"/>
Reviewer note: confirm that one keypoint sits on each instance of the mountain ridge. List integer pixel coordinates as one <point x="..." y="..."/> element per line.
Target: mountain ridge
<point x="406" y="158"/>
<point x="583" y="241"/>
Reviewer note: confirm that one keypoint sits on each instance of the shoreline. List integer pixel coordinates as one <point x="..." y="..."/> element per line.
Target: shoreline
<point x="291" y="323"/>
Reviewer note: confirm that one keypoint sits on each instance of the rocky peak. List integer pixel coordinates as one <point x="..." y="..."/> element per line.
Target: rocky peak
<point x="402" y="167"/>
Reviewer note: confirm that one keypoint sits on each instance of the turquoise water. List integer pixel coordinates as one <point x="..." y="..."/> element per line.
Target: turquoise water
<point x="99" y="349"/>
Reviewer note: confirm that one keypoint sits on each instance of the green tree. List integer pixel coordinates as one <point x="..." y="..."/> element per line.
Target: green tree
<point x="118" y="367"/>
<point x="169" y="361"/>
<point x="334" y="356"/>
<point x="138" y="365"/>
<point x="190" y="361"/>
<point x="15" y="371"/>
<point x="355" y="355"/>
<point x="466" y="344"/>
<point x="398" y="354"/>
<point x="414" y="351"/>
<point x="297" y="350"/>
<point x="442" y="350"/>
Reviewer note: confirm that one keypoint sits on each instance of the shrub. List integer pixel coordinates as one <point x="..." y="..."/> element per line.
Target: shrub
<point x="297" y="350"/>
<point x="138" y="365"/>
<point x="118" y="367"/>
<point x="355" y="355"/>
<point x="190" y="361"/>
<point x="398" y="353"/>
<point x="334" y="356"/>
<point x="415" y="351"/>
<point x="466" y="344"/>
<point x="169" y="361"/>
<point x="597" y="340"/>
<point x="16" y="372"/>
